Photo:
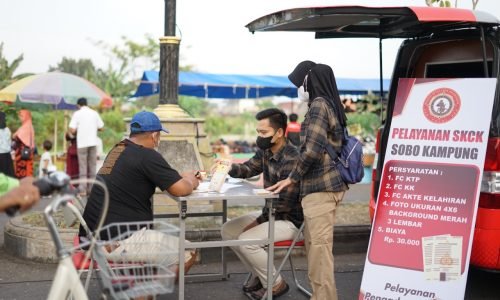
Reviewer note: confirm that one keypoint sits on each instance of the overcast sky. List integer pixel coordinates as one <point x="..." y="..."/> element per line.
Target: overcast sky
<point x="214" y="37"/>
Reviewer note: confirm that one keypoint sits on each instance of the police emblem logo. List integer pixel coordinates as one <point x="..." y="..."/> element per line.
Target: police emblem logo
<point x="441" y="105"/>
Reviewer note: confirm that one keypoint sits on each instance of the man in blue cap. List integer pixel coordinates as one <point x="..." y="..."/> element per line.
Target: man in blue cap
<point x="132" y="171"/>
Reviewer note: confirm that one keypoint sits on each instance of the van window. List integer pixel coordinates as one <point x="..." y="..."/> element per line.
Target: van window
<point x="470" y="69"/>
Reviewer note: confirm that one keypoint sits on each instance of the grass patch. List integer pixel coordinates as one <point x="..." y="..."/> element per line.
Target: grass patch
<point x="36" y="219"/>
<point x="347" y="213"/>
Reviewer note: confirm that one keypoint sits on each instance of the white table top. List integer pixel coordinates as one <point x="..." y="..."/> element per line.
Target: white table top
<point x="233" y="189"/>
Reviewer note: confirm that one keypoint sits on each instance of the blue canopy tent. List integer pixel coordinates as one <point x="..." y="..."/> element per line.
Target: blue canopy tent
<point x="231" y="86"/>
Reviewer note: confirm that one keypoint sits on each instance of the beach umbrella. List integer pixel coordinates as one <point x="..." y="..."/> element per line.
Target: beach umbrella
<point x="57" y="89"/>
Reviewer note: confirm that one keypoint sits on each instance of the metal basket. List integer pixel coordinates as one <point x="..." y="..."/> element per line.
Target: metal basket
<point x="138" y="258"/>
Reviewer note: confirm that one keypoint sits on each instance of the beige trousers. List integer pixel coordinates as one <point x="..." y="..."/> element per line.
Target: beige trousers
<point x="254" y="257"/>
<point x="319" y="218"/>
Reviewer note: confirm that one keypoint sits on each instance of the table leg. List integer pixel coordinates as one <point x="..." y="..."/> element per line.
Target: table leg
<point x="223" y="249"/>
<point x="182" y="246"/>
<point x="270" y="257"/>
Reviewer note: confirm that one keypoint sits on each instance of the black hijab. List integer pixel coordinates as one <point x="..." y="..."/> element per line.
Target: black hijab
<point x="321" y="83"/>
<point x="3" y="123"/>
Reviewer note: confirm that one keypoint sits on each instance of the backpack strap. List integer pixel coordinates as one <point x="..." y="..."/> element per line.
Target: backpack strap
<point x="339" y="133"/>
<point x="333" y="154"/>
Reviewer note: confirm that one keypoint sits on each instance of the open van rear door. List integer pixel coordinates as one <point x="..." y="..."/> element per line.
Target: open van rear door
<point x="377" y="22"/>
<point x="424" y="29"/>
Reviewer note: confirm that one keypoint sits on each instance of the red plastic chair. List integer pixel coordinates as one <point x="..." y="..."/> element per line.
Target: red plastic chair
<point x="296" y="243"/>
<point x="78" y="257"/>
<point x="80" y="263"/>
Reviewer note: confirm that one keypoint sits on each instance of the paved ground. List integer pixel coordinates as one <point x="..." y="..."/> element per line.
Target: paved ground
<point x="21" y="279"/>
<point x="27" y="280"/>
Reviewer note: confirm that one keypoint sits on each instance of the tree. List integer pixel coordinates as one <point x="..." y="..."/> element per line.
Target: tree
<point x="133" y="57"/>
<point x="195" y="107"/>
<point x="7" y="69"/>
<point x="447" y="3"/>
<point x="110" y="80"/>
<point x="265" y="103"/>
<point x="82" y="67"/>
<point x="441" y="3"/>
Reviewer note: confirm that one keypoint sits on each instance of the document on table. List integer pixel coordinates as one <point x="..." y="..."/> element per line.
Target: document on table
<point x="261" y="192"/>
<point x="442" y="257"/>
<point x="204" y="187"/>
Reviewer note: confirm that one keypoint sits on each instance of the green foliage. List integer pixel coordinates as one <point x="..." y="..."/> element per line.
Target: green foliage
<point x="195" y="107"/>
<point x="113" y="82"/>
<point x="81" y="67"/>
<point x="368" y="121"/>
<point x="133" y="57"/>
<point x="7" y="69"/>
<point x="114" y="129"/>
<point x="9" y="110"/>
<point x="217" y="125"/>
<point x="264" y="104"/>
<point x="149" y="102"/>
<point x="441" y="3"/>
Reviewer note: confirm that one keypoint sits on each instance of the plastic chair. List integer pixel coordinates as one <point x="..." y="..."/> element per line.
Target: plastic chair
<point x="296" y="243"/>
<point x="86" y="266"/>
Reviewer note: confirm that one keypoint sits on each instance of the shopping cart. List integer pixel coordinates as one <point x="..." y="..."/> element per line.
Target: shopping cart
<point x="137" y="259"/>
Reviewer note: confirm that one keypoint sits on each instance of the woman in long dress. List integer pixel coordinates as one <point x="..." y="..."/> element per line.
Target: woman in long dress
<point x="6" y="163"/>
<point x="24" y="137"/>
<point x="72" y="157"/>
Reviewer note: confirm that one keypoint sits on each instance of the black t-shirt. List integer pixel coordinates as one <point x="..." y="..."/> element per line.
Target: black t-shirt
<point x="131" y="173"/>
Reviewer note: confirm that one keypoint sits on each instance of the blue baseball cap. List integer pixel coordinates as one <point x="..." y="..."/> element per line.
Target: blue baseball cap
<point x="146" y="121"/>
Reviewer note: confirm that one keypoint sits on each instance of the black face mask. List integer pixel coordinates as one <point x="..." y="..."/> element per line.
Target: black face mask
<point x="264" y="143"/>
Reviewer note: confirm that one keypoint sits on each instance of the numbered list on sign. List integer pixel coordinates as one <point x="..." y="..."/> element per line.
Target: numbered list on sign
<point x="423" y="211"/>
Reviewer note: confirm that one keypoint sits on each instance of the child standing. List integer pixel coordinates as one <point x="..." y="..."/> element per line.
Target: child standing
<point x="46" y="164"/>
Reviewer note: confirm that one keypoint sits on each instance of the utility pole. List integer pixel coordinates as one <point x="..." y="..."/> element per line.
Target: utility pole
<point x="169" y="58"/>
<point x="186" y="147"/>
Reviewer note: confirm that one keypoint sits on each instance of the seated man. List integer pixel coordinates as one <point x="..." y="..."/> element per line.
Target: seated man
<point x="274" y="159"/>
<point x="132" y="171"/>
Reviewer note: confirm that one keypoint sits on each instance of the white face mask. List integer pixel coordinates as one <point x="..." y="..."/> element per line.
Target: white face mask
<point x="302" y="94"/>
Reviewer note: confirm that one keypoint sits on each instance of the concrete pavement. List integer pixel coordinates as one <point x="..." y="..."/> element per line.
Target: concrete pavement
<point x="22" y="279"/>
<point x="28" y="280"/>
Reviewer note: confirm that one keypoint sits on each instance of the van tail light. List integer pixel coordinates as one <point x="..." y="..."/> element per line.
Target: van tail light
<point x="486" y="243"/>
<point x="373" y="191"/>
<point x="490" y="183"/>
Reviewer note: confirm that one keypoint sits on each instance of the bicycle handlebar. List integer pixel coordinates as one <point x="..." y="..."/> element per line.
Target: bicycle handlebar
<point x="56" y="181"/>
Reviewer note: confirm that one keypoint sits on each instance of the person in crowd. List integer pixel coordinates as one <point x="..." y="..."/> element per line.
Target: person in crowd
<point x="221" y="148"/>
<point x="275" y="159"/>
<point x="71" y="156"/>
<point x="132" y="171"/>
<point x="321" y="186"/>
<point x="46" y="164"/>
<point x="293" y="129"/>
<point x="349" y="105"/>
<point x="85" y="123"/>
<point x="15" y="192"/>
<point x="6" y="163"/>
<point x="24" y="137"/>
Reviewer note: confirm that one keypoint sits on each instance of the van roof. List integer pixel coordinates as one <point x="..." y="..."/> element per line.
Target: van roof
<point x="379" y="22"/>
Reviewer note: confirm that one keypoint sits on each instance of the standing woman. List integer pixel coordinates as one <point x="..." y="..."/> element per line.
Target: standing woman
<point x="24" y="137"/>
<point x="321" y="186"/>
<point x="72" y="157"/>
<point x="6" y="164"/>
